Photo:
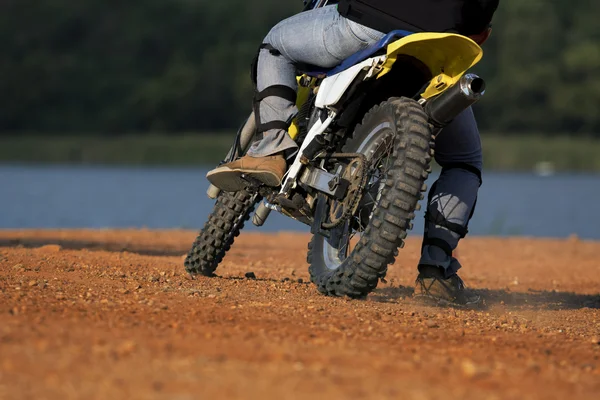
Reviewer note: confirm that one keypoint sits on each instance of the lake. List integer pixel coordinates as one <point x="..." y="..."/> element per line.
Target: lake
<point x="115" y="197"/>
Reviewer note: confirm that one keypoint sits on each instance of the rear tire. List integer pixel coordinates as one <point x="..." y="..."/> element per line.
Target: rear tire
<point x="224" y="224"/>
<point x="402" y="124"/>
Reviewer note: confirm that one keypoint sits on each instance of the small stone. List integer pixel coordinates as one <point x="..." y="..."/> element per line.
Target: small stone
<point x="300" y="280"/>
<point x="18" y="267"/>
<point x="588" y="367"/>
<point x="471" y="370"/>
<point x="596" y="340"/>
<point x="250" y="275"/>
<point x="432" y="324"/>
<point x="32" y="283"/>
<point x="60" y="296"/>
<point x="51" y="248"/>
<point x="533" y="366"/>
<point x="126" y="348"/>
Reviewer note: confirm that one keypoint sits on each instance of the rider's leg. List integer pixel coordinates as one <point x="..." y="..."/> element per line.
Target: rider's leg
<point x="318" y="37"/>
<point x="451" y="203"/>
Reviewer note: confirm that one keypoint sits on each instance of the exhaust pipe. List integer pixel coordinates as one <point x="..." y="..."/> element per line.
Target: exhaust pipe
<point x="246" y="133"/>
<point x="445" y="107"/>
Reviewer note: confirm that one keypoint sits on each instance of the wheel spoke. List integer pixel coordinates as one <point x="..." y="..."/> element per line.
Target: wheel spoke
<point x="341" y="237"/>
<point x="345" y="240"/>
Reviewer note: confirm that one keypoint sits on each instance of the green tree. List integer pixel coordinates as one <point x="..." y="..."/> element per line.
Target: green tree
<point x="107" y="66"/>
<point x="543" y="65"/>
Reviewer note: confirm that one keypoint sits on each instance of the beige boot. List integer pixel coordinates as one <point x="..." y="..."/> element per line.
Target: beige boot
<point x="268" y="170"/>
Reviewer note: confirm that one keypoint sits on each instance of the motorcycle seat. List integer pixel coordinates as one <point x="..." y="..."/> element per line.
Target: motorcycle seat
<point x="357" y="57"/>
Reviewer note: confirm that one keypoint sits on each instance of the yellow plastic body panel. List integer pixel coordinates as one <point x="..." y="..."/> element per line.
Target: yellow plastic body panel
<point x="301" y="98"/>
<point x="447" y="55"/>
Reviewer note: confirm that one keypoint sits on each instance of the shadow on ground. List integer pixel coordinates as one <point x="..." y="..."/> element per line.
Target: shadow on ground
<point x="95" y="246"/>
<point x="542" y="300"/>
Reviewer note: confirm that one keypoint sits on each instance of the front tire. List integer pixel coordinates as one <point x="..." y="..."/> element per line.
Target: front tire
<point x="224" y="224"/>
<point x="400" y="127"/>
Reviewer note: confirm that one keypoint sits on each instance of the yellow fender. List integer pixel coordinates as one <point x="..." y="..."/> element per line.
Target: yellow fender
<point x="447" y="55"/>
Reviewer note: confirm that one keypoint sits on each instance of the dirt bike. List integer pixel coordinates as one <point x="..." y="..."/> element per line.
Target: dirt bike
<point x="366" y="131"/>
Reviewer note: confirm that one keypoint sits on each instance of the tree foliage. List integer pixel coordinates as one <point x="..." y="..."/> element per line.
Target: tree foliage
<point x="110" y="66"/>
<point x="543" y="66"/>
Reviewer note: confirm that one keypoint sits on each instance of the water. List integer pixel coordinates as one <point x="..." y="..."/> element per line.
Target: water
<point x="105" y="197"/>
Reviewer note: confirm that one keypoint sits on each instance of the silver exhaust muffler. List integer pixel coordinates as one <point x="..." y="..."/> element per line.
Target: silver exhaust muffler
<point x="443" y="108"/>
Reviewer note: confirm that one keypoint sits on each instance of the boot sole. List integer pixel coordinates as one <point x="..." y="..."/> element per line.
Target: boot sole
<point x="436" y="301"/>
<point x="231" y="180"/>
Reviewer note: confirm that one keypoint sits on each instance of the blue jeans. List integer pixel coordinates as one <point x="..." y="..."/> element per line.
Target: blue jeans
<point x="320" y="37"/>
<point x="323" y="38"/>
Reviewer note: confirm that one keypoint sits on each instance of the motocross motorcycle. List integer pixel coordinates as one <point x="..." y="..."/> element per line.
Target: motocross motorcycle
<point x="366" y="131"/>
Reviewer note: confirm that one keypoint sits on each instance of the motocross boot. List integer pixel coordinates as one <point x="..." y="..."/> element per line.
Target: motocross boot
<point x="268" y="170"/>
<point x="433" y="285"/>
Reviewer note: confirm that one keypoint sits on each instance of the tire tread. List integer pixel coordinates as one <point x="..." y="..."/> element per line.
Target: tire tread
<point x="360" y="273"/>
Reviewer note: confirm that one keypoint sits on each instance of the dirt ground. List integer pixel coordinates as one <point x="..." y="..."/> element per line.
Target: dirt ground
<point x="112" y="315"/>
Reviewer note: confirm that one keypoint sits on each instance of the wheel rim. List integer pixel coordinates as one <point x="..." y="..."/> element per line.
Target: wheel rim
<point x="377" y="147"/>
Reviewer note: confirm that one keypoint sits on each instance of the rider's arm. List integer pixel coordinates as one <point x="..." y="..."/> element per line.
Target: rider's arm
<point x="488" y="8"/>
<point x="479" y="22"/>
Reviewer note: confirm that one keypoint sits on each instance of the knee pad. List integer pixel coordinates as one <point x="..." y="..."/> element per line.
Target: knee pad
<point x="281" y="91"/>
<point x="435" y="216"/>
<point x="254" y="65"/>
<point x="473" y="170"/>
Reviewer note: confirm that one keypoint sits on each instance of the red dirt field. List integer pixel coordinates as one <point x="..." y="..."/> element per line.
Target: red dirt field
<point x="112" y="315"/>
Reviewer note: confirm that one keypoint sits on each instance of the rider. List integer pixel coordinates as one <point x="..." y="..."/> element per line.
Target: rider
<point x="324" y="37"/>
